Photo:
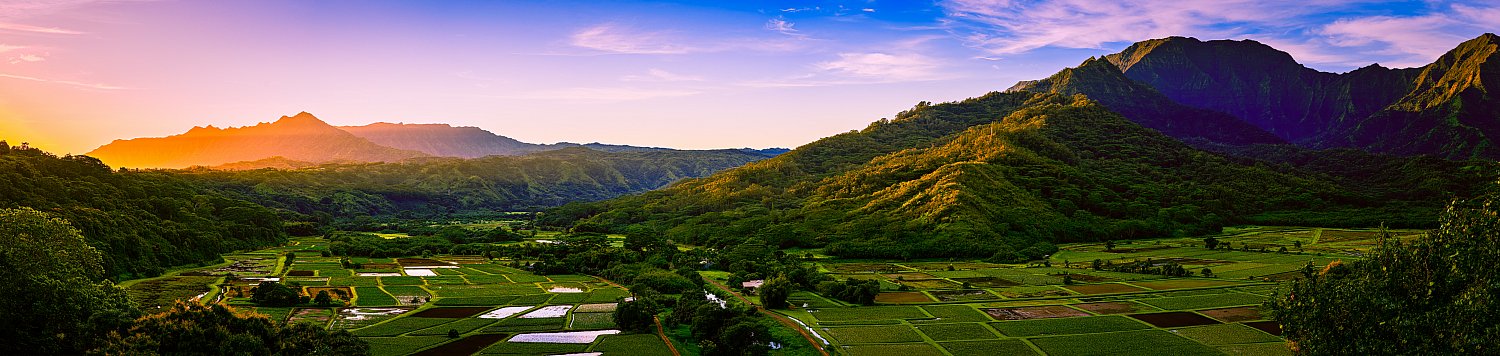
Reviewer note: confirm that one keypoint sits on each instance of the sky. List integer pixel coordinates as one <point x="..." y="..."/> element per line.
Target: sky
<point x="76" y="74"/>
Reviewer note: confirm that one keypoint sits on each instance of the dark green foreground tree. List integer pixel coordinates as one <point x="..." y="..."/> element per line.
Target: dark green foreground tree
<point x="195" y="329"/>
<point x="56" y="299"/>
<point x="1433" y="296"/>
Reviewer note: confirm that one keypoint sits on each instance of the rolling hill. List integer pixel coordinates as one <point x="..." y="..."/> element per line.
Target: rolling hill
<point x="301" y="137"/>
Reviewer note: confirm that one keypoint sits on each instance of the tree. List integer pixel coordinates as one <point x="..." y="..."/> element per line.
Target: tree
<point x="775" y="291"/>
<point x="637" y="315"/>
<point x="194" y="329"/>
<point x="1207" y="272"/>
<point x="1433" y="296"/>
<point x="57" y="300"/>
<point x="1210" y="242"/>
<point x="453" y="333"/>
<point x="1109" y="245"/>
<point x="274" y="294"/>
<point x="323" y="299"/>
<point x="1098" y="264"/>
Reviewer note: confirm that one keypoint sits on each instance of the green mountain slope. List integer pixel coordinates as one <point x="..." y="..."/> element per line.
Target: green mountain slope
<point x="995" y="173"/>
<point x="437" y="186"/>
<point x="1103" y="82"/>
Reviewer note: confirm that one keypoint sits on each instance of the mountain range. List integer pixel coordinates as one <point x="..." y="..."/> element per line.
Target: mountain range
<point x="302" y="140"/>
<point x="1171" y="137"/>
<point x="1445" y="109"/>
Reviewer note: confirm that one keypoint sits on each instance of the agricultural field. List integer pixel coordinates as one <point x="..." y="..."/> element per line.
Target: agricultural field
<point x="1065" y="306"/>
<point x="410" y="306"/>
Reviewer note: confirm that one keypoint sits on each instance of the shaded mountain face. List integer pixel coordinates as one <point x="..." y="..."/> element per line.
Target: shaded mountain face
<point x="1101" y="81"/>
<point x="1453" y="109"/>
<point x="442" y="140"/>
<point x="1442" y="109"/>
<point x="302" y="137"/>
<point x="1002" y="172"/>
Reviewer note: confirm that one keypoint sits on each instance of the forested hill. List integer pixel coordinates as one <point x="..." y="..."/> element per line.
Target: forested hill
<point x="439" y="186"/>
<point x="141" y="222"/>
<point x="1004" y="171"/>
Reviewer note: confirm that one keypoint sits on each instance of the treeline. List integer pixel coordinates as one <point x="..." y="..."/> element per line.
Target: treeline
<point x="141" y="222"/>
<point x="1002" y="172"/>
<point x="443" y="187"/>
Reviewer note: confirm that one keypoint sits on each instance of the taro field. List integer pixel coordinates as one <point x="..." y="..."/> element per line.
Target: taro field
<point x="414" y="306"/>
<point x="1064" y="306"/>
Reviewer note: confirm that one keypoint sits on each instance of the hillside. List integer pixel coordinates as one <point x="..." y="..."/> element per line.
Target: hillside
<point x="1103" y="82"/>
<point x="297" y="138"/>
<point x="1001" y="172"/>
<point x="141" y="222"/>
<point x="441" y="140"/>
<point x="438" y="186"/>
<point x="1441" y="109"/>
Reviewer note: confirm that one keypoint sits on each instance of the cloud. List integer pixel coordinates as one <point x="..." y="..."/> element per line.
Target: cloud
<point x="605" y="94"/>
<point x="780" y="25"/>
<point x="25" y="58"/>
<point x="658" y="75"/>
<point x="611" y="38"/>
<point x="7" y="48"/>
<point x="617" y="39"/>
<point x="64" y="82"/>
<point x="37" y="29"/>
<point x="801" y="9"/>
<point x="907" y="66"/>
<point x="1411" y="41"/>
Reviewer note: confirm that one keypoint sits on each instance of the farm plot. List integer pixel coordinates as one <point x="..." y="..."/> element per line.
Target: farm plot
<point x="319" y="316"/>
<point x="565" y="337"/>
<point x="955" y="313"/>
<point x="1104" y="288"/>
<point x="503" y="313"/>
<point x="1205" y="301"/>
<point x="1230" y="315"/>
<point x="1036" y="312"/>
<point x="464" y="346"/>
<point x="1225" y="334"/>
<point x="164" y="291"/>
<point x="373" y="296"/>
<point x="989" y="347"/>
<point x="1174" y="319"/>
<point x="406" y="345"/>
<point x="1142" y="342"/>
<point x="407" y="295"/>
<point x="591" y="321"/>
<point x="496" y="300"/>
<point x="1067" y="326"/>
<point x="1106" y="308"/>
<point x="865" y="268"/>
<point x="850" y="335"/>
<point x="484" y="290"/>
<point x="354" y="318"/>
<point x="462" y="326"/>
<point x="450" y="312"/>
<point x="869" y="313"/>
<point x="550" y="311"/>
<point x="961" y="331"/>
<point x="398" y="326"/>
<point x="902" y="297"/>
<point x="892" y="350"/>
<point x="963" y="295"/>
<point x="636" y="344"/>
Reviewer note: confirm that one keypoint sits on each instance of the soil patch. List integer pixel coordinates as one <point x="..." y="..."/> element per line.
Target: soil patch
<point x="930" y="283"/>
<point x="958" y="295"/>
<point x="455" y="312"/>
<point x="1174" y="319"/>
<point x="378" y="265"/>
<point x="412" y="262"/>
<point x="300" y="273"/>
<point x="902" y="297"/>
<point x="342" y="293"/>
<point x="1105" y="288"/>
<point x="1034" y="294"/>
<point x="1089" y="278"/>
<point x="1038" y="312"/>
<point x="987" y="282"/>
<point x="464" y="346"/>
<point x="1269" y="326"/>
<point x="1106" y="308"/>
<point x="1230" y="315"/>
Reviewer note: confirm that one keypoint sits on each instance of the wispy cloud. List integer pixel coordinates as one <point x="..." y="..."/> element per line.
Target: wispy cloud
<point x="64" y="82"/>
<point x="618" y="39"/>
<point x="781" y="25"/>
<point x="1411" y="40"/>
<point x="658" y="75"/>
<point x="896" y="67"/>
<point x="26" y="58"/>
<point x="605" y="94"/>
<point x="613" y="38"/>
<point x="37" y="29"/>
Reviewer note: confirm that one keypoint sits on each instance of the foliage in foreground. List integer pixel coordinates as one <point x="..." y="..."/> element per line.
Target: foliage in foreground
<point x="1432" y="296"/>
<point x="196" y="329"/>
<point x="56" y="302"/>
